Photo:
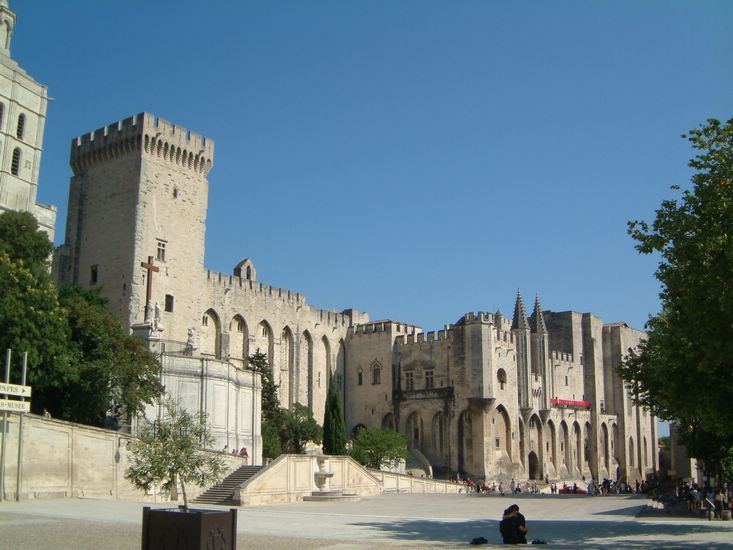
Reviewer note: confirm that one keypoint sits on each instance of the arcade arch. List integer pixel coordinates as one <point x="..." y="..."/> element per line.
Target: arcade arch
<point x="210" y="334"/>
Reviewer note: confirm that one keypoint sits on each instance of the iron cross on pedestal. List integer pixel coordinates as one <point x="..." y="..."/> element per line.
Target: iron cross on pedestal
<point x="149" y="291"/>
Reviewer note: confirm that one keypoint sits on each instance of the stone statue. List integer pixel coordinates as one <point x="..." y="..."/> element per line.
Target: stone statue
<point x="191" y="341"/>
<point x="149" y="312"/>
<point x="157" y="325"/>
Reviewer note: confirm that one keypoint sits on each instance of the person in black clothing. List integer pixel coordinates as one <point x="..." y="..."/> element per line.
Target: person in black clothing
<point x="513" y="526"/>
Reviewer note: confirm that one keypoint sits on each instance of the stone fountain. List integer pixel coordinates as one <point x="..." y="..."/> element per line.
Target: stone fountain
<point x="321" y="477"/>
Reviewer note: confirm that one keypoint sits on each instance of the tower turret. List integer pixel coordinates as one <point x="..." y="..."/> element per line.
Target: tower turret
<point x="519" y="321"/>
<point x="521" y="330"/>
<point x="7" y="24"/>
<point x="541" y="354"/>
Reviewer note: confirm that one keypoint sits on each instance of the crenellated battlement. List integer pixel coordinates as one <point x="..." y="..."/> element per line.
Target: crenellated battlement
<point x="147" y="134"/>
<point x="561" y="356"/>
<point x="295" y="299"/>
<point x="362" y="330"/>
<point x="425" y="338"/>
<point x="478" y="317"/>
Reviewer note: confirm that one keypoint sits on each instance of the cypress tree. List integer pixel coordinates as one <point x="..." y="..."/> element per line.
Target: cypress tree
<point x="334" y="433"/>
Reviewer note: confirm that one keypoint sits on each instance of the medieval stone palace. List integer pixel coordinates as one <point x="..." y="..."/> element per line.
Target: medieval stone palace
<point x="488" y="396"/>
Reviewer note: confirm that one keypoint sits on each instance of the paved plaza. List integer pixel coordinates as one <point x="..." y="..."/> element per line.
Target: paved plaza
<point x="388" y="521"/>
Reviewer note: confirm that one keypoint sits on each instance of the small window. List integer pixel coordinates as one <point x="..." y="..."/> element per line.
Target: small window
<point x="265" y="331"/>
<point x="566" y="380"/>
<point x="160" y="256"/>
<point x="205" y="320"/>
<point x="429" y="380"/>
<point x="376" y="376"/>
<point x="93" y="275"/>
<point x="15" y="164"/>
<point x="21" y="126"/>
<point x="501" y="377"/>
<point x="547" y="446"/>
<point x="169" y="300"/>
<point x="409" y="380"/>
<point x="240" y="325"/>
<point x="498" y="443"/>
<point x="359" y="378"/>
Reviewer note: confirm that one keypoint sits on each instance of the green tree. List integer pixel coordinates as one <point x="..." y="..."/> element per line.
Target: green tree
<point x="682" y="371"/>
<point x="298" y="428"/>
<point x="33" y="321"/>
<point x="334" y="431"/>
<point x="112" y="371"/>
<point x="80" y="361"/>
<point x="377" y="447"/>
<point x="172" y="449"/>
<point x="22" y="240"/>
<point x="272" y="413"/>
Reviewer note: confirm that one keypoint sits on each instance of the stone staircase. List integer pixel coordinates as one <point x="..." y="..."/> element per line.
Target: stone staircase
<point x="223" y="493"/>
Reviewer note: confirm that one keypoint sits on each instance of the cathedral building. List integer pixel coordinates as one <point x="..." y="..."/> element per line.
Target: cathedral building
<point x="23" y="103"/>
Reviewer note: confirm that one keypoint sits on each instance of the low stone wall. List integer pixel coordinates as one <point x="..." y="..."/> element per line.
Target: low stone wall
<point x="291" y="477"/>
<point x="63" y="459"/>
<point x="400" y="483"/>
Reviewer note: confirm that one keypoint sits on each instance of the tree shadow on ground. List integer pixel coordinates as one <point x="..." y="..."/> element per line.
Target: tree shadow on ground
<point x="585" y="534"/>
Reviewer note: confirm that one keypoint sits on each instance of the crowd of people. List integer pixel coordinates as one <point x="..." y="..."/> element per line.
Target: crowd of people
<point x="593" y="488"/>
<point x="698" y="497"/>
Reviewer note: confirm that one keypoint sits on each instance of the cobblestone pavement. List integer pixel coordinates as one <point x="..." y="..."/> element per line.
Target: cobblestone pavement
<point x="391" y="520"/>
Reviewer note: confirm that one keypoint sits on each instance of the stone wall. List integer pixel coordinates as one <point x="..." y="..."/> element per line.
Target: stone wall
<point x="63" y="459"/>
<point x="400" y="483"/>
<point x="291" y="477"/>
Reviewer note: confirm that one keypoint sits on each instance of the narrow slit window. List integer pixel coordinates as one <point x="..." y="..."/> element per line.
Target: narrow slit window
<point x="21" y="126"/>
<point x="169" y="303"/>
<point x="15" y="164"/>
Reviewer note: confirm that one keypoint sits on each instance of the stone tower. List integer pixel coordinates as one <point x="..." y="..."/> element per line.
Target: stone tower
<point x="139" y="190"/>
<point x="23" y="103"/>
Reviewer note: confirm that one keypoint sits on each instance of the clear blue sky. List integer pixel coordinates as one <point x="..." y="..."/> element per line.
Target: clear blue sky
<point x="412" y="159"/>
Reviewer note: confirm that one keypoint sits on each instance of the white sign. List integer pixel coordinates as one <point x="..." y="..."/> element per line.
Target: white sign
<point x="6" y="405"/>
<point x="15" y="389"/>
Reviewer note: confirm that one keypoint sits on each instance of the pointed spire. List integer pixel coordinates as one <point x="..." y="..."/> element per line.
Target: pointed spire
<point x="520" y="316"/>
<point x="538" y="320"/>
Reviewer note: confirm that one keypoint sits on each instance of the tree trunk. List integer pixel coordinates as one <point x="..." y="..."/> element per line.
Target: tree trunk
<point x="185" y="496"/>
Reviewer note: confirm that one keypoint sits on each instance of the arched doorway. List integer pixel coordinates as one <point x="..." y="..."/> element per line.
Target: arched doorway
<point x="534" y="465"/>
<point x="414" y="431"/>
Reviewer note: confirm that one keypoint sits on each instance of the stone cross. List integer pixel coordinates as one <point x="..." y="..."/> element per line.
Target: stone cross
<point x="149" y="291"/>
